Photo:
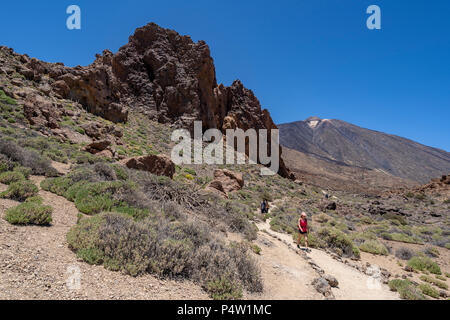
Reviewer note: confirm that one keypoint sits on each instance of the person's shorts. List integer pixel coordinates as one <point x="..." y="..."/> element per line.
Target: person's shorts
<point x="301" y="232"/>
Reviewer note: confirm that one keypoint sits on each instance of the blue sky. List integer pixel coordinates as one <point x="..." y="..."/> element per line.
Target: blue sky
<point x="300" y="57"/>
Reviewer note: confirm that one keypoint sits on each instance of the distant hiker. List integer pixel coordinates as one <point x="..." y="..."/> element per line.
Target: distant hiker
<point x="263" y="206"/>
<point x="267" y="205"/>
<point x="326" y="196"/>
<point x="302" y="226"/>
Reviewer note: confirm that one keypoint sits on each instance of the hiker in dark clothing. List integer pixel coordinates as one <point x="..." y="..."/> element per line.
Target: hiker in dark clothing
<point x="267" y="206"/>
<point x="263" y="206"/>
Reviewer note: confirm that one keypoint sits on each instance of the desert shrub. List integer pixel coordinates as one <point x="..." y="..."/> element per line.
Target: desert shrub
<point x="11" y="177"/>
<point x="23" y="170"/>
<point x="436" y="282"/>
<point x="6" y="164"/>
<point x="36" y="199"/>
<point x="255" y="248"/>
<point x="420" y="263"/>
<point x="404" y="253"/>
<point x="31" y="212"/>
<point x="400" y="237"/>
<point x="223" y="289"/>
<point x="406" y="289"/>
<point x="190" y="171"/>
<point x="374" y="246"/>
<point x="338" y="241"/>
<point x="431" y="252"/>
<point x="395" y="218"/>
<point x="95" y="197"/>
<point x="28" y="158"/>
<point x="105" y="171"/>
<point x="20" y="191"/>
<point x="6" y="99"/>
<point x="429" y="290"/>
<point x="439" y="277"/>
<point x="322" y="218"/>
<point x="167" y="248"/>
<point x="367" y="220"/>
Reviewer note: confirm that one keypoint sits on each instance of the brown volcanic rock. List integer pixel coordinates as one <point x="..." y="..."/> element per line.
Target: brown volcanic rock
<point x="226" y="181"/>
<point x="41" y="112"/>
<point x="159" y="165"/>
<point x="97" y="146"/>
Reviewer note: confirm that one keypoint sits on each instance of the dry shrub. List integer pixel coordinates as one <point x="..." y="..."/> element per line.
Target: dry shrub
<point x="27" y="158"/>
<point x="167" y="248"/>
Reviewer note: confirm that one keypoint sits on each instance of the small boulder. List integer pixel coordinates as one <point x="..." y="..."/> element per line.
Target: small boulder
<point x="97" y="146"/>
<point x="159" y="165"/>
<point x="226" y="181"/>
<point x="332" y="281"/>
<point x="331" y="206"/>
<point x="322" y="286"/>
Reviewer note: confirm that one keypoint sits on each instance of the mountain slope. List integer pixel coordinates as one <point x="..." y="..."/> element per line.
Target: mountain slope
<point x="349" y="144"/>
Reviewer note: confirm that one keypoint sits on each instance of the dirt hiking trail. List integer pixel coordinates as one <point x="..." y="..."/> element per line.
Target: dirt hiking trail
<point x="288" y="274"/>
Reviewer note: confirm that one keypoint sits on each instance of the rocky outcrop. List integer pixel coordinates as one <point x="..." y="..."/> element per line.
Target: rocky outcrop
<point x="99" y="147"/>
<point x="159" y="165"/>
<point x="226" y="181"/>
<point x="158" y="73"/>
<point x="41" y="112"/>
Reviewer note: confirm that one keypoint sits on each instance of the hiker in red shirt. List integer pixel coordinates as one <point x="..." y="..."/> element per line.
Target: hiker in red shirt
<point x="302" y="226"/>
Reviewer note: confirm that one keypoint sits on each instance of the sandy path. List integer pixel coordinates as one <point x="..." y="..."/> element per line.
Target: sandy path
<point x="35" y="263"/>
<point x="353" y="284"/>
<point x="285" y="274"/>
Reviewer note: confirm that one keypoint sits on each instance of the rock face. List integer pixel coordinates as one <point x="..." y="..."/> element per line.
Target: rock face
<point x="161" y="74"/>
<point x="226" y="181"/>
<point x="159" y="165"/>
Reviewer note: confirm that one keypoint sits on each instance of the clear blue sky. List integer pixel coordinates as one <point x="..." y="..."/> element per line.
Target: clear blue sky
<point x="300" y="57"/>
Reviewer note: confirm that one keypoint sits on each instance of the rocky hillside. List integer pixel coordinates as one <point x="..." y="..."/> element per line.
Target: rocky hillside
<point x="347" y="144"/>
<point x="158" y="73"/>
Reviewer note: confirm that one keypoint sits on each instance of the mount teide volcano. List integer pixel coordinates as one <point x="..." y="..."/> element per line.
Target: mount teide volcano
<point x="339" y="143"/>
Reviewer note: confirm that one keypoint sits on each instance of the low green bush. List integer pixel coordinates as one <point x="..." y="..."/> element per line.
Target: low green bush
<point x="29" y="213"/>
<point x="420" y="263"/>
<point x="336" y="240"/>
<point x="20" y="191"/>
<point x="400" y="237"/>
<point x="406" y="289"/>
<point x="374" y="247"/>
<point x="223" y="289"/>
<point x="23" y="170"/>
<point x="436" y="282"/>
<point x="429" y="290"/>
<point x="11" y="177"/>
